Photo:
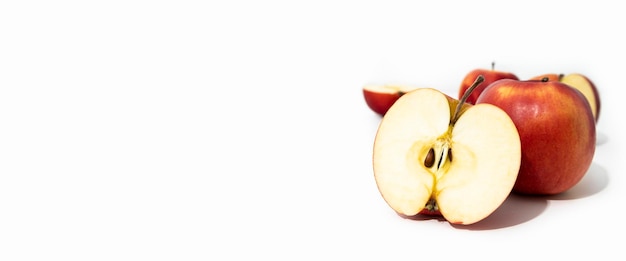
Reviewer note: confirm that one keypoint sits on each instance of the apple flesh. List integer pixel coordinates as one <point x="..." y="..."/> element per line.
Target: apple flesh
<point x="434" y="154"/>
<point x="490" y="76"/>
<point x="380" y="97"/>
<point x="581" y="83"/>
<point x="556" y="128"/>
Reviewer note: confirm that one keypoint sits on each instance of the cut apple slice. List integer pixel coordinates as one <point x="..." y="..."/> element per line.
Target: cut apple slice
<point x="380" y="97"/>
<point x="431" y="157"/>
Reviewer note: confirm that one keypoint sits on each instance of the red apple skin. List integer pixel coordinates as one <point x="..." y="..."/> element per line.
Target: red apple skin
<point x="380" y="102"/>
<point x="553" y="77"/>
<point x="557" y="77"/>
<point x="557" y="132"/>
<point x="490" y="76"/>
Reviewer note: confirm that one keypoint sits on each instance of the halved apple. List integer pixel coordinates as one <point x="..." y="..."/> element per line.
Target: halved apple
<point x="380" y="97"/>
<point x="434" y="154"/>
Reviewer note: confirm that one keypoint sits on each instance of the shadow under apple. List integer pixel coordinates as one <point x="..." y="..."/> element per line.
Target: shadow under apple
<point x="601" y="138"/>
<point x="518" y="209"/>
<point x="595" y="180"/>
<point x="515" y="210"/>
<point x="422" y="217"/>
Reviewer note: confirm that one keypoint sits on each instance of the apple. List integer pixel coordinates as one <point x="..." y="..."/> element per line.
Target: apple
<point x="380" y="97"/>
<point x="580" y="82"/>
<point x="557" y="131"/>
<point x="490" y="75"/>
<point x="436" y="155"/>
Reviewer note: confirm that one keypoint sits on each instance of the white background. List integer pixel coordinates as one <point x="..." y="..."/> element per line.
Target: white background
<point x="237" y="130"/>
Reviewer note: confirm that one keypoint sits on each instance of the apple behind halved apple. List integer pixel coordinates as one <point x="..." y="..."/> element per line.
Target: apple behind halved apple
<point x="380" y="97"/>
<point x="556" y="128"/>
<point x="490" y="75"/>
<point x="434" y="154"/>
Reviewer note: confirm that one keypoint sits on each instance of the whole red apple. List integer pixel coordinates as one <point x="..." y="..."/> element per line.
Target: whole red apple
<point x="557" y="132"/>
<point x="490" y="76"/>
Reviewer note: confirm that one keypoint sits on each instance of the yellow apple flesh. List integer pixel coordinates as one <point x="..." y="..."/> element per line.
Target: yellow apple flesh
<point x="427" y="158"/>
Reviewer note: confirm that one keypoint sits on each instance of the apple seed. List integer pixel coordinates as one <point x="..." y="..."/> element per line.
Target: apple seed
<point x="429" y="161"/>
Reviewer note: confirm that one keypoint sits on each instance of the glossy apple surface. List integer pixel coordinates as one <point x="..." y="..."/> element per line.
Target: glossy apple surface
<point x="557" y="132"/>
<point x="580" y="82"/>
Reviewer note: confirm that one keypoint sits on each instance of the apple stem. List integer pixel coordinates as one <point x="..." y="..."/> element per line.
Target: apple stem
<point x="561" y="76"/>
<point x="493" y="65"/>
<point x="467" y="93"/>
